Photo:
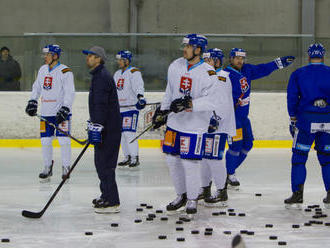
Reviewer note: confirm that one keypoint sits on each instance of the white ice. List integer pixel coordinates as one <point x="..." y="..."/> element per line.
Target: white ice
<point x="64" y="224"/>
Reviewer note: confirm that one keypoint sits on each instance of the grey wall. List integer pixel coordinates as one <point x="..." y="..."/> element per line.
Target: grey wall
<point x="160" y="16"/>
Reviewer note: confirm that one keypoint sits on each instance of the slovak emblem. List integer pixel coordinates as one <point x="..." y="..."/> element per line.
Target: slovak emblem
<point x="48" y="83"/>
<point x="120" y="84"/>
<point x="185" y="85"/>
<point x="244" y="85"/>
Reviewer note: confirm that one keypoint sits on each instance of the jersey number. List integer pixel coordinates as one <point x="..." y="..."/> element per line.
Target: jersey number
<point x="48" y="83"/>
<point x="244" y="85"/>
<point x="185" y="85"/>
<point x="120" y="84"/>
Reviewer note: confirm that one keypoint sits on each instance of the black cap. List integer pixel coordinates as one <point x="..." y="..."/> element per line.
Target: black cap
<point x="4" y="48"/>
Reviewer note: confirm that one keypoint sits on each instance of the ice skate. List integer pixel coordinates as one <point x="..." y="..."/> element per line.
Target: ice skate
<point x="104" y="207"/>
<point x="205" y="192"/>
<point x="296" y="200"/>
<point x="97" y="201"/>
<point x="232" y="182"/>
<point x="125" y="162"/>
<point x="45" y="175"/>
<point x="191" y="208"/>
<point x="218" y="200"/>
<point x="134" y="163"/>
<point x="177" y="204"/>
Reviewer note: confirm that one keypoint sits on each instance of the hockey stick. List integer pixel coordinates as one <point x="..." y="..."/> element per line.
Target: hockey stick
<point x="81" y="142"/>
<point x="147" y="129"/>
<point x="133" y="105"/>
<point x="37" y="215"/>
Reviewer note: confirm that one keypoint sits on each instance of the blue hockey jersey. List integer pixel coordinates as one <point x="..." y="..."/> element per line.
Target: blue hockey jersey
<point x="307" y="85"/>
<point x="241" y="84"/>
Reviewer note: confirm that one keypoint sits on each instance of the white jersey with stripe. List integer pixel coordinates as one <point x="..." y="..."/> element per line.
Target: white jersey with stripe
<point x="226" y="110"/>
<point x="55" y="87"/>
<point x="201" y="83"/>
<point x="129" y="84"/>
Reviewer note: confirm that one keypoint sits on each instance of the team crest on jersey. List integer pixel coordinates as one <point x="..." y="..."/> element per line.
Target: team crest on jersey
<point x="185" y="85"/>
<point x="48" y="83"/>
<point x="120" y="84"/>
<point x="244" y="85"/>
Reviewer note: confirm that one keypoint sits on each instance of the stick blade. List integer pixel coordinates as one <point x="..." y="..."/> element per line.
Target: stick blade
<point x="32" y="215"/>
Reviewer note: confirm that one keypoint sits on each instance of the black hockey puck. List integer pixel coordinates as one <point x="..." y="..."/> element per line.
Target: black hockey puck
<point x="215" y="213"/>
<point x="114" y="224"/>
<point x="208" y="229"/>
<point x="151" y="215"/>
<point x="318" y="222"/>
<point x="182" y="218"/>
<point x="5" y="240"/>
<point x="207" y="233"/>
<point x="179" y="229"/>
<point x="186" y="220"/>
<point x="250" y="233"/>
<point x="163" y="218"/>
<point x="137" y="221"/>
<point x="269" y="225"/>
<point x="232" y="214"/>
<point x="179" y="222"/>
<point x="149" y="219"/>
<point x="317" y="216"/>
<point x="281" y="243"/>
<point x="308" y="210"/>
<point x="227" y="232"/>
<point x="258" y="194"/>
<point x="307" y="224"/>
<point x="139" y="209"/>
<point x="316" y="206"/>
<point x="88" y="233"/>
<point x="327" y="224"/>
<point x="310" y="206"/>
<point x="162" y="237"/>
<point x="242" y="214"/>
<point x="149" y="207"/>
<point x="143" y="204"/>
<point x="159" y="211"/>
<point x="295" y="226"/>
<point x="231" y="210"/>
<point x="222" y="213"/>
<point x="318" y="209"/>
<point x="180" y="239"/>
<point x="194" y="232"/>
<point x="243" y="231"/>
<point x="324" y="216"/>
<point x="272" y="237"/>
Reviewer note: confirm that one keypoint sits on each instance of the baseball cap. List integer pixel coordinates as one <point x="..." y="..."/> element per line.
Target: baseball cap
<point x="96" y="50"/>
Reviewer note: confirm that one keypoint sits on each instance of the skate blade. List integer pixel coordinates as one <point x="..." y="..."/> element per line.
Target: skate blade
<point x="221" y="204"/>
<point x="46" y="180"/>
<point x="295" y="206"/>
<point x="174" y="212"/>
<point x="107" y="210"/>
<point x="189" y="216"/>
<point x="230" y="187"/>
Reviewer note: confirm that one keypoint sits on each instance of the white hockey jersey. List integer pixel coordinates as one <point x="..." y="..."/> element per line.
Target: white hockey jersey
<point x="129" y="84"/>
<point x="226" y="110"/>
<point x="56" y="88"/>
<point x="201" y="83"/>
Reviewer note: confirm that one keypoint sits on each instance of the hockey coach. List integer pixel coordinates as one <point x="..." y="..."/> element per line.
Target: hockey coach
<point x="104" y="129"/>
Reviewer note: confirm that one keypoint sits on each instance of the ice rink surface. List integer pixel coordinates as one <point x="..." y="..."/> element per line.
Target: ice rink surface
<point x="266" y="171"/>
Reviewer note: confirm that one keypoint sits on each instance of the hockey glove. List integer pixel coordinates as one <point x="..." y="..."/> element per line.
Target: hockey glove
<point x="31" y="108"/>
<point x="284" y="61"/>
<point x="94" y="133"/>
<point x="159" y="118"/>
<point x="141" y="103"/>
<point x="292" y="126"/>
<point x="181" y="104"/>
<point x="214" y="124"/>
<point x="62" y="114"/>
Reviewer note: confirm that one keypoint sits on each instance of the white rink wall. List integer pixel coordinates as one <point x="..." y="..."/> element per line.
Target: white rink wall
<point x="268" y="115"/>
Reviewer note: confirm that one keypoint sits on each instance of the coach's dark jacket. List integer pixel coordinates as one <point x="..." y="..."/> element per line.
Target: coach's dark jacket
<point x="104" y="110"/>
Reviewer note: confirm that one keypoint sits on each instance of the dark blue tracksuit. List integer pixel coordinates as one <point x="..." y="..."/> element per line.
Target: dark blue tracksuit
<point x="104" y="110"/>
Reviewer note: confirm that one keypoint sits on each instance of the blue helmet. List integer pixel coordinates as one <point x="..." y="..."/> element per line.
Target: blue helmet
<point x="52" y="49"/>
<point x="125" y="54"/>
<point x="214" y="53"/>
<point x="316" y="50"/>
<point x="196" y="40"/>
<point x="237" y="52"/>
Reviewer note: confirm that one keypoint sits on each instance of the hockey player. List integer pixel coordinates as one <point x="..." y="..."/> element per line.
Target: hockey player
<point x="130" y="89"/>
<point x="188" y="101"/>
<point x="104" y="129"/>
<point x="221" y="124"/>
<point x="241" y="75"/>
<point x="55" y="85"/>
<point x="308" y="101"/>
